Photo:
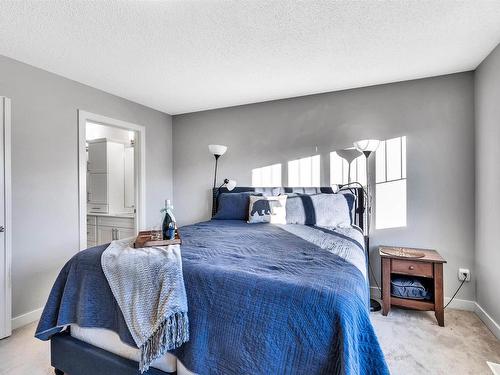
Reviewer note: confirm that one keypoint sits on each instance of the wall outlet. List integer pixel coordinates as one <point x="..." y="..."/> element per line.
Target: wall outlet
<point x="463" y="274"/>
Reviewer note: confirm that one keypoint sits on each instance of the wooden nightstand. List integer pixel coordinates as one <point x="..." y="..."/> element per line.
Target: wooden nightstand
<point x="430" y="267"/>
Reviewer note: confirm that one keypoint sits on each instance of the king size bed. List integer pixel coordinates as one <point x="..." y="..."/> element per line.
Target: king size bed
<point x="263" y="299"/>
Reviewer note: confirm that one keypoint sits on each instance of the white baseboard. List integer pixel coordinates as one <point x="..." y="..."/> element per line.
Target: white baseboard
<point x="461" y="304"/>
<point x="495" y="367"/>
<point x="24" y="319"/>
<point x="488" y="321"/>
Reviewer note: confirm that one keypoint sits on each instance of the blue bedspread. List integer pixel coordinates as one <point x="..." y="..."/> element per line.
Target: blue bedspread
<point x="262" y="300"/>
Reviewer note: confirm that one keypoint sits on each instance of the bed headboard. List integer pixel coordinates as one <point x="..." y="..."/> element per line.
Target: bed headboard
<point x="360" y="211"/>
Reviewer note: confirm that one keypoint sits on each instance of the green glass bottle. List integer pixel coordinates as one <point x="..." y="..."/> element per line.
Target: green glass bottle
<point x="168" y="219"/>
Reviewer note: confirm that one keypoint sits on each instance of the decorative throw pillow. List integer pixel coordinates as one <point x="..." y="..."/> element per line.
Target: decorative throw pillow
<point x="323" y="210"/>
<point x="233" y="206"/>
<point x="267" y="209"/>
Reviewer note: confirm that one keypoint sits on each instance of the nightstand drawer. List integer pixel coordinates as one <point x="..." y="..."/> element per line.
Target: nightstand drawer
<point x="408" y="267"/>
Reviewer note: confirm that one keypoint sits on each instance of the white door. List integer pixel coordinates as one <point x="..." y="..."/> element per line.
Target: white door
<point x="98" y="188"/>
<point x="5" y="254"/>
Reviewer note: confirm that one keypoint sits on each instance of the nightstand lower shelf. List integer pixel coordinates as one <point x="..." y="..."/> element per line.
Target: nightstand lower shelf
<point x="414" y="304"/>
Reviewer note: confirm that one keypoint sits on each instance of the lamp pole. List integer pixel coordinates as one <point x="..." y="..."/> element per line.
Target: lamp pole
<point x="215" y="174"/>
<point x="374" y="305"/>
<point x="368" y="194"/>
<point x="367" y="146"/>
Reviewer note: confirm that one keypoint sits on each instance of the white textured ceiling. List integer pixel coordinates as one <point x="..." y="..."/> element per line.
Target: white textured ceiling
<point x="184" y="56"/>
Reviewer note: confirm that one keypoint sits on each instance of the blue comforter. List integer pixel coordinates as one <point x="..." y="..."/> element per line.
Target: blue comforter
<point x="263" y="299"/>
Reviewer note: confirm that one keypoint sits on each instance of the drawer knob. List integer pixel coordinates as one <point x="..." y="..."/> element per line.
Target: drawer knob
<point x="411" y="268"/>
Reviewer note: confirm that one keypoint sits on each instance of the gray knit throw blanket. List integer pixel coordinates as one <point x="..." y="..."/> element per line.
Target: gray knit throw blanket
<point x="149" y="288"/>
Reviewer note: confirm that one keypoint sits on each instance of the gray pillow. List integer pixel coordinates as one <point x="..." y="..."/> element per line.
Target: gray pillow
<point x="324" y="210"/>
<point x="351" y="201"/>
<point x="233" y="206"/>
<point x="410" y="287"/>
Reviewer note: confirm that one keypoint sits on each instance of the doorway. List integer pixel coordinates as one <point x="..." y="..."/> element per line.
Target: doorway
<point x="111" y="161"/>
<point x="5" y="218"/>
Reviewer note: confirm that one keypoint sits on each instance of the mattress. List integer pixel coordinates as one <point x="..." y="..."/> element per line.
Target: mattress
<point x="110" y="341"/>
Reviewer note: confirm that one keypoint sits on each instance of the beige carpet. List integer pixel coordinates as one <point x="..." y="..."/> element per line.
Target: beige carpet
<point x="412" y="342"/>
<point x="22" y="354"/>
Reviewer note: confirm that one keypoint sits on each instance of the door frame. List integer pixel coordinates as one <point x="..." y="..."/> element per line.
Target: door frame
<point x="6" y="273"/>
<point x="139" y="165"/>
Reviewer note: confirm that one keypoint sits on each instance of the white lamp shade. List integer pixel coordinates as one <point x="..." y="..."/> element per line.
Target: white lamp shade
<point x="231" y="185"/>
<point x="217" y="149"/>
<point x="349" y="154"/>
<point x="367" y="145"/>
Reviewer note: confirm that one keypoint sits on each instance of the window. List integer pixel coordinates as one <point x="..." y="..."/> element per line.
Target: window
<point x="390" y="189"/>
<point x="304" y="172"/>
<point x="269" y="176"/>
<point x="339" y="170"/>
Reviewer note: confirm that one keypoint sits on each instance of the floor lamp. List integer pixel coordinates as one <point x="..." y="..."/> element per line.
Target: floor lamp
<point x="367" y="146"/>
<point x="217" y="151"/>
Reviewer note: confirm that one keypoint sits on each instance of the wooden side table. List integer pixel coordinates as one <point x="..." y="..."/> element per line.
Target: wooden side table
<point x="430" y="266"/>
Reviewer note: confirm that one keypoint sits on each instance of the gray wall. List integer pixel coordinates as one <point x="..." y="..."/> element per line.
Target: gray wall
<point x="487" y="112"/>
<point x="436" y="115"/>
<point x="44" y="170"/>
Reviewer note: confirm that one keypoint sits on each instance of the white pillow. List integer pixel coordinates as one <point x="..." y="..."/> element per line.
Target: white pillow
<point x="267" y="209"/>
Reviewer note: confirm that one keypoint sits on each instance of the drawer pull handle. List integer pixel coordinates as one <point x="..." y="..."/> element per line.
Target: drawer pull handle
<point x="411" y="268"/>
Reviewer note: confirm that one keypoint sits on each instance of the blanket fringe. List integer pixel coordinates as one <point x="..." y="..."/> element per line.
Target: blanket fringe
<point x="172" y="332"/>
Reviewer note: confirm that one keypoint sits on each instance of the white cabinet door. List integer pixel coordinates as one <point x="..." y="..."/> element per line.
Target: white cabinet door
<point x="97" y="188"/>
<point x="129" y="177"/>
<point x="108" y="234"/>
<point x="124" y="233"/>
<point x="97" y="162"/>
<point x="104" y="235"/>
